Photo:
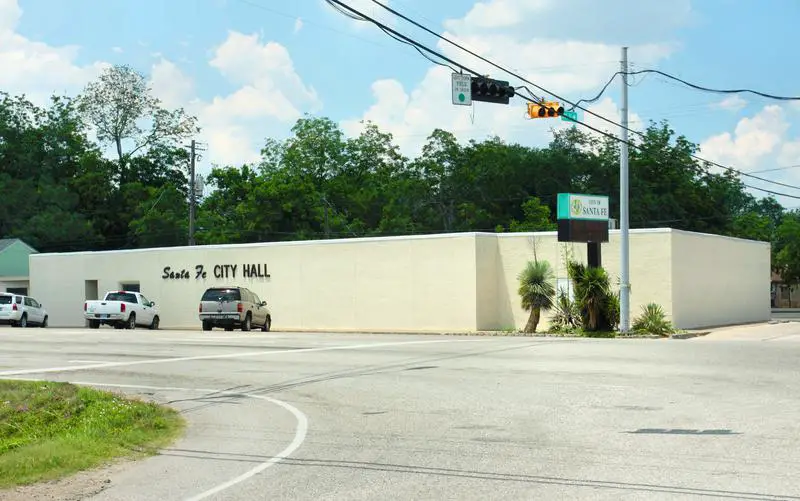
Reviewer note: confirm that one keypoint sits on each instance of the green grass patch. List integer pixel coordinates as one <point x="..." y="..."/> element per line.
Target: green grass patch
<point x="50" y="430"/>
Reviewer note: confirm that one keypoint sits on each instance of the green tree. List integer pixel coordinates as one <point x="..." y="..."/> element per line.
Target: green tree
<point x="41" y="151"/>
<point x="536" y="217"/>
<point x="160" y="218"/>
<point x="117" y="105"/>
<point x="537" y="291"/>
<point x="787" y="261"/>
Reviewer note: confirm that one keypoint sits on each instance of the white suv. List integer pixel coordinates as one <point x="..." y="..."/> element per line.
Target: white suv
<point x="21" y="311"/>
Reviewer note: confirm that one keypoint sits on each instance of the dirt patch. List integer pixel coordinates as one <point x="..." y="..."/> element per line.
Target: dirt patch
<point x="77" y="487"/>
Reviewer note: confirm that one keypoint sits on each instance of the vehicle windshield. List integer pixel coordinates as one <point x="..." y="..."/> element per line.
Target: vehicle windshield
<point x="222" y="295"/>
<point x="5" y="299"/>
<point x="125" y="297"/>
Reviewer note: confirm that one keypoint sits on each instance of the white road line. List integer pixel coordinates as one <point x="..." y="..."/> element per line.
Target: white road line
<point x="105" y="365"/>
<point x="301" y="430"/>
<point x="232" y="338"/>
<point x="88" y="361"/>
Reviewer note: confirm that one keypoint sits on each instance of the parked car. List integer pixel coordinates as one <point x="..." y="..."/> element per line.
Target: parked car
<point x="232" y="307"/>
<point x="21" y="311"/>
<point x="122" y="309"/>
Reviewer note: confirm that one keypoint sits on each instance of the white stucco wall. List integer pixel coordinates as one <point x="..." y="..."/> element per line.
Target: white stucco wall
<point x="719" y="280"/>
<point x="417" y="283"/>
<point x="649" y="270"/>
<point x="461" y="282"/>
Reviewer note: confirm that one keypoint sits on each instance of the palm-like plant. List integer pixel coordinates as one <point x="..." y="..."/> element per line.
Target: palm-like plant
<point x="653" y="320"/>
<point x="537" y="291"/>
<point x="593" y="293"/>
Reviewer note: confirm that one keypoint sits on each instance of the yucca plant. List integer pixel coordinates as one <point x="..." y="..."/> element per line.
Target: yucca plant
<point x="653" y="320"/>
<point x="566" y="314"/>
<point x="537" y="290"/>
<point x="592" y="292"/>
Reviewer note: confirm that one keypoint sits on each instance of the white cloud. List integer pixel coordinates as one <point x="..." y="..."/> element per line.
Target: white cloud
<point x="36" y="69"/>
<point x="577" y="19"/>
<point x="732" y="103"/>
<point x="411" y="117"/>
<point x="298" y="25"/>
<point x="366" y="7"/>
<point x="266" y="97"/>
<point x="269" y="96"/>
<point x="761" y="143"/>
<point x="753" y="139"/>
<point x="515" y="34"/>
<point x="10" y="14"/>
<point x="117" y="50"/>
<point x="267" y="67"/>
<point x="790" y="154"/>
<point x="170" y="84"/>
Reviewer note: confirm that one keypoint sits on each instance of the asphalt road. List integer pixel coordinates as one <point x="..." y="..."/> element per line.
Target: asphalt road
<point x="333" y="416"/>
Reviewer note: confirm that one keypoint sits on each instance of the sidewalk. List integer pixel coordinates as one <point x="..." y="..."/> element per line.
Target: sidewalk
<point x="771" y="331"/>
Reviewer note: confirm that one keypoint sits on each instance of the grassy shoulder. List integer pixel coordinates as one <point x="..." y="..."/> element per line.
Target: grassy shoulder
<point x="50" y="430"/>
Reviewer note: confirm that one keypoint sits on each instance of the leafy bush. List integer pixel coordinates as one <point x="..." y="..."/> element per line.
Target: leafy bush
<point x="653" y="320"/>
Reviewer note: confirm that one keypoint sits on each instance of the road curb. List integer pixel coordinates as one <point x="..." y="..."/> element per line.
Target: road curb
<point x="689" y="335"/>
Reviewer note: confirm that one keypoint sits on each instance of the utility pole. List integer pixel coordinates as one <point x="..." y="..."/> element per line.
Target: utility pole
<point x="194" y="147"/>
<point x="624" y="223"/>
<point x="327" y="223"/>
<point x="191" y="191"/>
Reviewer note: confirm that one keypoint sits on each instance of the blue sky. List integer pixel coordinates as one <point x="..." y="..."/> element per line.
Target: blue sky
<point x="249" y="68"/>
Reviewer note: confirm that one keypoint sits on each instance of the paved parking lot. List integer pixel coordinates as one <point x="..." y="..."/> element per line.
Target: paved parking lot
<point x="339" y="416"/>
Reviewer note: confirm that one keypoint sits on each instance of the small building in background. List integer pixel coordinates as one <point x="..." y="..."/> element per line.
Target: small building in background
<point x="14" y="265"/>
<point x="784" y="295"/>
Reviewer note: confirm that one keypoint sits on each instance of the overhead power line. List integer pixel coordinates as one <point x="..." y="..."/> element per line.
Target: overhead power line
<point x="689" y="84"/>
<point x="546" y="91"/>
<point x="716" y="91"/>
<point x="395" y="34"/>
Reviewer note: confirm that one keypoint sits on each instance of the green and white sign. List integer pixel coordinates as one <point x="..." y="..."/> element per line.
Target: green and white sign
<point x="462" y="89"/>
<point x="583" y="207"/>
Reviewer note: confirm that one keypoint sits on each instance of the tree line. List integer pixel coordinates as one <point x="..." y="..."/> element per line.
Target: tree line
<point x="60" y="192"/>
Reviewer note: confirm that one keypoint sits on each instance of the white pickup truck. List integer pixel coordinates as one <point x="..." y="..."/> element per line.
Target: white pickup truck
<point x="123" y="310"/>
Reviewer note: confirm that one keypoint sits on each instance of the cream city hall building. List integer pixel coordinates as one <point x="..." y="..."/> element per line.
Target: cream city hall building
<point x="432" y="283"/>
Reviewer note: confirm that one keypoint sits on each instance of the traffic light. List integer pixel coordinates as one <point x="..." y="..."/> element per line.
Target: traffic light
<point x="491" y="91"/>
<point x="545" y="109"/>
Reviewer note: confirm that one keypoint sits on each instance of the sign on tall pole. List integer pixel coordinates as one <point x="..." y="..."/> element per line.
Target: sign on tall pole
<point x="624" y="222"/>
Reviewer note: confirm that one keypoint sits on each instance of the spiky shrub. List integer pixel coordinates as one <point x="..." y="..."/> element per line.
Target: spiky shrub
<point x="599" y="306"/>
<point x="566" y="314"/>
<point x="653" y="320"/>
<point x="536" y="290"/>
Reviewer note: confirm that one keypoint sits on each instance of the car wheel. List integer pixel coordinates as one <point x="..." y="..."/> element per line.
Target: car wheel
<point x="267" y="325"/>
<point x="94" y="324"/>
<point x="44" y="323"/>
<point x="154" y="324"/>
<point x="207" y="326"/>
<point x="23" y="322"/>
<point x="247" y="323"/>
<point x="132" y="321"/>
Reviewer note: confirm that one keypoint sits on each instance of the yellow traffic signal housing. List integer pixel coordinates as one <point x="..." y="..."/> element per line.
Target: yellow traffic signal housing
<point x="545" y="109"/>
